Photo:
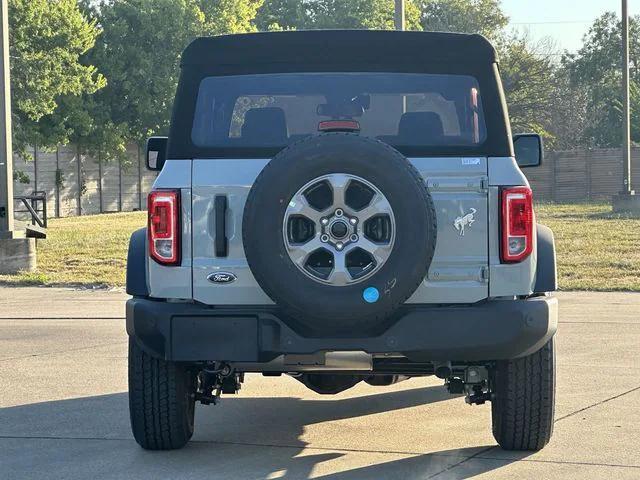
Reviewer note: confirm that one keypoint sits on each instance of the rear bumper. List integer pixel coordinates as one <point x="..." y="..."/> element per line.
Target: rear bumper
<point x="494" y="330"/>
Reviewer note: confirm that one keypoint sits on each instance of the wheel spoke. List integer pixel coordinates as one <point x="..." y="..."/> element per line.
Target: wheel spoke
<point x="339" y="275"/>
<point x="339" y="184"/>
<point x="299" y="205"/>
<point x="300" y="253"/>
<point x="378" y="206"/>
<point x="379" y="252"/>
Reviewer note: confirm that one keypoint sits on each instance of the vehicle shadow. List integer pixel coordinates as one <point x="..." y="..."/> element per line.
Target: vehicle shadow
<point x="243" y="437"/>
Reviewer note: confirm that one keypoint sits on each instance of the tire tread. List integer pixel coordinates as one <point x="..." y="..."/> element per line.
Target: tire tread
<point x="524" y="403"/>
<point x="160" y="407"/>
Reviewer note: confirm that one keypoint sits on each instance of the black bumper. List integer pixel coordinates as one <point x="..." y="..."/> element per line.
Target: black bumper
<point x="493" y="330"/>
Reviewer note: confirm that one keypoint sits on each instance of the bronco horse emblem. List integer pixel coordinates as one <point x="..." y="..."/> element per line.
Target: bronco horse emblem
<point x="465" y="221"/>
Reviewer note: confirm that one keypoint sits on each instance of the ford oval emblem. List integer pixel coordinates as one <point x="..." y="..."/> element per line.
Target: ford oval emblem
<point x="222" y="277"/>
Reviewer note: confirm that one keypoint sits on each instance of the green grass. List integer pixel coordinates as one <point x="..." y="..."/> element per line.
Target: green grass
<point x="597" y="250"/>
<point x="86" y="251"/>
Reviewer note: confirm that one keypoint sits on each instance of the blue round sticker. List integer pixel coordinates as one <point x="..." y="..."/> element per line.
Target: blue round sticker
<point x="371" y="295"/>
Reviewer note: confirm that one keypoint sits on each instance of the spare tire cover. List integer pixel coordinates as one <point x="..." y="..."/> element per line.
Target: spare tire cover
<point x="407" y="232"/>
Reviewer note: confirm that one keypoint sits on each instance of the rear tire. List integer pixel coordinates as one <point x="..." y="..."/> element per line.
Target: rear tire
<point x="161" y="401"/>
<point x="524" y="400"/>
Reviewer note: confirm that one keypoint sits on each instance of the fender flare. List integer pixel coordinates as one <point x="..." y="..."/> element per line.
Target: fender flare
<point x="137" y="264"/>
<point x="546" y="269"/>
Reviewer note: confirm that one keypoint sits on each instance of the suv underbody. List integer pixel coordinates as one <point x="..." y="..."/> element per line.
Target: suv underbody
<point x="357" y="216"/>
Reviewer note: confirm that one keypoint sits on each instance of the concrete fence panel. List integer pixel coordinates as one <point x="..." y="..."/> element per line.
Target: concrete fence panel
<point x="581" y="175"/>
<point x="77" y="184"/>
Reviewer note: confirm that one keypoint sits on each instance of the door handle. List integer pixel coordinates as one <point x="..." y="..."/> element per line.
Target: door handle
<point x="221" y="242"/>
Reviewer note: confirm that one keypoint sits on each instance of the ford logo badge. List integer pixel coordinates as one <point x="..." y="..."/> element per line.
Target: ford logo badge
<point x="222" y="277"/>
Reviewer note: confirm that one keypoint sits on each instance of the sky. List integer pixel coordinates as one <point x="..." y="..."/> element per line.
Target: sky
<point x="566" y="21"/>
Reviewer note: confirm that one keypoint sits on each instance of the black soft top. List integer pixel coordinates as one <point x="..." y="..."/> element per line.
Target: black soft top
<point x="339" y="47"/>
<point x="340" y="51"/>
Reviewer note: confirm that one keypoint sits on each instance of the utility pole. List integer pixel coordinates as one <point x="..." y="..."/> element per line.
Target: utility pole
<point x="400" y="23"/>
<point x="399" y="18"/>
<point x="626" y="152"/>
<point x="627" y="200"/>
<point x="6" y="151"/>
<point x="17" y="253"/>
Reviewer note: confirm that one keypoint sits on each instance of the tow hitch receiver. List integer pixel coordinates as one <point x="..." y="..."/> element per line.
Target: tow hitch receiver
<point x="216" y="381"/>
<point x="473" y="380"/>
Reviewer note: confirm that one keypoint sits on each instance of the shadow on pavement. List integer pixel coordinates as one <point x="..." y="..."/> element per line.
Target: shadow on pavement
<point x="241" y="438"/>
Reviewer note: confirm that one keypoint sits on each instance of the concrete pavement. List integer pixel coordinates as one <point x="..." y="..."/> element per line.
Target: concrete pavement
<point x="64" y="412"/>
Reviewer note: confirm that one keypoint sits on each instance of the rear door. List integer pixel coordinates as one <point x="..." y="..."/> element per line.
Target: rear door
<point x="244" y="120"/>
<point x="458" y="273"/>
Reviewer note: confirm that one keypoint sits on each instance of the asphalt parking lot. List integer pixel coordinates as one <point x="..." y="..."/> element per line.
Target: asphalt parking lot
<point x="64" y="412"/>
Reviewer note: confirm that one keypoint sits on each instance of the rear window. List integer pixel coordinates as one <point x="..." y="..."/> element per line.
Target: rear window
<point x="274" y="110"/>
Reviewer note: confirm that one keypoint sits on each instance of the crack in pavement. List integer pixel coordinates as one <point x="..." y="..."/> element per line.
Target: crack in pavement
<point x="478" y="455"/>
<point x="560" y="462"/>
<point x="248" y="444"/>
<point x="602" y="402"/>
<point x="456" y="465"/>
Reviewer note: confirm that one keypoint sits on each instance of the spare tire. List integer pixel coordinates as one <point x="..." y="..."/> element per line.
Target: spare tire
<point x="339" y="230"/>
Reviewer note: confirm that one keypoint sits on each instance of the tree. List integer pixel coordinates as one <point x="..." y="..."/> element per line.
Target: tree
<point x="528" y="69"/>
<point x="527" y="72"/>
<point x="464" y="16"/>
<point x="356" y="14"/>
<point x="47" y="41"/>
<point x="597" y="68"/>
<point x="229" y="16"/>
<point x="567" y="117"/>
<point x="282" y="14"/>
<point x="139" y="53"/>
<point x="59" y="96"/>
<point x="324" y="14"/>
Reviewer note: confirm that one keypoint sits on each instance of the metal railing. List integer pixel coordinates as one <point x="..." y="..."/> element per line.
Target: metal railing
<point x="36" y="205"/>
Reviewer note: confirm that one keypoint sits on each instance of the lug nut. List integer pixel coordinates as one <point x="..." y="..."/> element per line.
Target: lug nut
<point x="339" y="246"/>
<point x="353" y="221"/>
<point x="324" y="221"/>
<point x="324" y="238"/>
<point x="339" y="212"/>
<point x="354" y="238"/>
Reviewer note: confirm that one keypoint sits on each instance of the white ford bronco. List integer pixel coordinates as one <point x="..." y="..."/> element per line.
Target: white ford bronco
<point x="341" y="207"/>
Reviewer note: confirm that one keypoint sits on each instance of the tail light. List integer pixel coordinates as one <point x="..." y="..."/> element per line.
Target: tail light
<point x="163" y="230"/>
<point x="517" y="224"/>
